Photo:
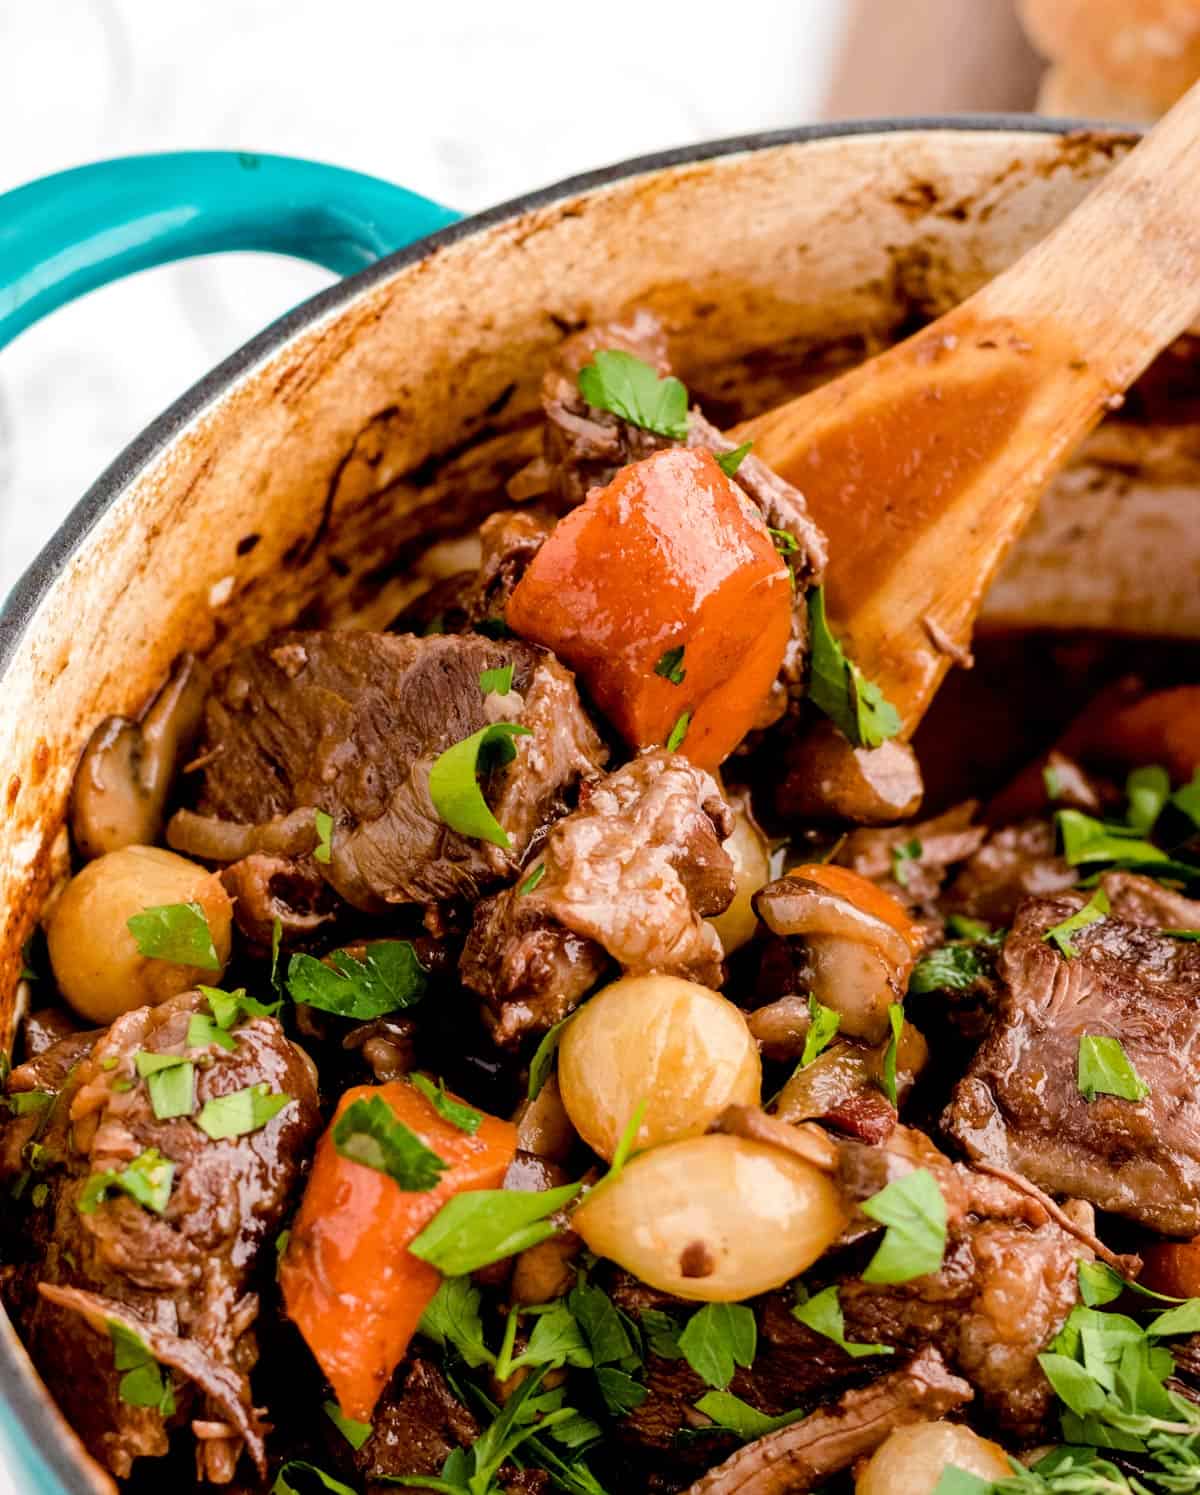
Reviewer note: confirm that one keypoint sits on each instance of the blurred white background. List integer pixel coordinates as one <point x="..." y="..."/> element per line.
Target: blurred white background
<point x="467" y="101"/>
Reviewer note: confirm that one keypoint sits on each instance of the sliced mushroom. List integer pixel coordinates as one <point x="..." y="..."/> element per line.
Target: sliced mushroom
<point x="826" y="778"/>
<point x="123" y="779"/>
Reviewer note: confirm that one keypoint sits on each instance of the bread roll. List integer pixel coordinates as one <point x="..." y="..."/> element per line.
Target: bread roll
<point x="1116" y="59"/>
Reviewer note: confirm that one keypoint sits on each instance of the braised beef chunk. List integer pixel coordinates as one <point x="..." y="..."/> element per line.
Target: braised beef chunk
<point x="1020" y="1104"/>
<point x="805" y="1454"/>
<point x="1017" y="862"/>
<point x="350" y="723"/>
<point x="510" y="540"/>
<point x="911" y="861"/>
<point x="182" y="1281"/>
<point x="418" y="1422"/>
<point x="631" y="874"/>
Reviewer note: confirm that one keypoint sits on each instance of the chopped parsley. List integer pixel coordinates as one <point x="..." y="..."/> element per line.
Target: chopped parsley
<point x="497" y="682"/>
<point x="476" y="1228"/>
<point x="1187" y="799"/>
<point x="784" y="542"/>
<point x="454" y="781"/>
<point x="839" y="688"/>
<point x="821" y="1030"/>
<point x="147" y="1179"/>
<point x="27" y="1102"/>
<point x="298" y="1477"/>
<point x="662" y="1333"/>
<point x="910" y="851"/>
<point x="227" y="1009"/>
<point x="1052" y="780"/>
<point x="729" y="462"/>
<point x="822" y="1314"/>
<point x="963" y="928"/>
<point x="670" y="665"/>
<point x="457" y="1113"/>
<point x="388" y="978"/>
<point x="679" y="731"/>
<point x="736" y="1416"/>
<point x="177" y="932"/>
<point x="142" y="1383"/>
<point x="957" y="966"/>
<point x="1086" y="839"/>
<point x="1095" y="909"/>
<point x="171" y="1081"/>
<point x="892" y="1052"/>
<point x="369" y="1132"/>
<point x="324" y="847"/>
<point x="1147" y="790"/>
<point x="1104" y="1069"/>
<point x="717" y="1338"/>
<point x="914" y="1243"/>
<point x="1188" y="936"/>
<point x="355" y="1433"/>
<point x="624" y="385"/>
<point x="241" y="1112"/>
<point x="452" y="1317"/>
<point x="542" y="1063"/>
<point x="532" y="880"/>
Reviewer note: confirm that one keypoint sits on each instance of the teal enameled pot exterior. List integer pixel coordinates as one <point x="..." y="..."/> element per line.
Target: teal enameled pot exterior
<point x="315" y="473"/>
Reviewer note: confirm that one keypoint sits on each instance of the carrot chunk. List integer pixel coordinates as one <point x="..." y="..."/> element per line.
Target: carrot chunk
<point x="665" y="593"/>
<point x="348" y="1280"/>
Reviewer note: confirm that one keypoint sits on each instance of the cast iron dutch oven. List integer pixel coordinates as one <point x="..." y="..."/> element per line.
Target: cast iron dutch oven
<point x="309" y="474"/>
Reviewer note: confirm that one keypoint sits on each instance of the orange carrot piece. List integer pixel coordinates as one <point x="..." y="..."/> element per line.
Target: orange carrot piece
<point x="865" y="895"/>
<point x="671" y="555"/>
<point x="1172" y="1267"/>
<point x="1163" y="727"/>
<point x="348" y="1280"/>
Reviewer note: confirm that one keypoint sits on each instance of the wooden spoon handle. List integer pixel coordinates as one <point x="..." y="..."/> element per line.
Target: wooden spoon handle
<point x="924" y="465"/>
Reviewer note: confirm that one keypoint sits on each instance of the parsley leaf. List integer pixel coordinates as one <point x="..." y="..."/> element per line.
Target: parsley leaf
<point x="784" y="541"/>
<point x="1184" y="1318"/>
<point x="496" y="682"/>
<point x="452" y="1317"/>
<point x="716" y="1338"/>
<point x="142" y="1383"/>
<point x="556" y="1340"/>
<point x="736" y="1416"/>
<point x="959" y="926"/>
<point x="1086" y="839"/>
<point x="626" y="386"/>
<point x="602" y="1324"/>
<point x="888" y="1078"/>
<point x="26" y="1102"/>
<point x="228" y="1008"/>
<point x="170" y="1081"/>
<point x="839" y="688"/>
<point x="901" y="856"/>
<point x="1188" y="936"/>
<point x="1187" y="799"/>
<point x="914" y="1243"/>
<point x="457" y="1113"/>
<point x="1052" y="780"/>
<point x="369" y="1132"/>
<point x="956" y="1481"/>
<point x="276" y="944"/>
<point x="823" y="1315"/>
<point x="240" y="1112"/>
<point x="1104" y="1069"/>
<point x="388" y="977"/>
<point x="454" y="781"/>
<point x="679" y="731"/>
<point x="669" y="665"/>
<point x="620" y="1391"/>
<point x="177" y="932"/>
<point x="147" y="1179"/>
<point x="1147" y="790"/>
<point x="297" y="1477"/>
<point x="355" y="1433"/>
<point x="542" y="1063"/>
<point x="821" y="1030"/>
<point x="729" y="462"/>
<point x="1099" y="1284"/>
<point x="662" y="1333"/>
<point x="1091" y="913"/>
<point x="532" y="880"/>
<point x="476" y="1228"/>
<point x="324" y="847"/>
<point x="956" y="967"/>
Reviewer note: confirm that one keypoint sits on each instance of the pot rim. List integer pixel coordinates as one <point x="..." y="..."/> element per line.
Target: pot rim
<point x="36" y="1415"/>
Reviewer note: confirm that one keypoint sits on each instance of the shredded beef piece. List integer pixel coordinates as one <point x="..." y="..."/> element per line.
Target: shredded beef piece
<point x="350" y="723"/>
<point x="804" y="1455"/>
<point x="586" y="447"/>
<point x="1019" y="1105"/>
<point x="1017" y="862"/>
<point x="46" y="1027"/>
<point x="915" y="880"/>
<point x="180" y="1280"/>
<point x="632" y="874"/>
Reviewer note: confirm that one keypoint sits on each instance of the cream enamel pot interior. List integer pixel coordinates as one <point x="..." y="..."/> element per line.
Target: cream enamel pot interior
<point x="305" y="478"/>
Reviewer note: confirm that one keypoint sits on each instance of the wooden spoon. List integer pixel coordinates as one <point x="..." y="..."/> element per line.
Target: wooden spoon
<point x="925" y="464"/>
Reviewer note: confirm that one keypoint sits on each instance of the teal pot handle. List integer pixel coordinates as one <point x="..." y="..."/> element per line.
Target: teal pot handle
<point x="72" y="232"/>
